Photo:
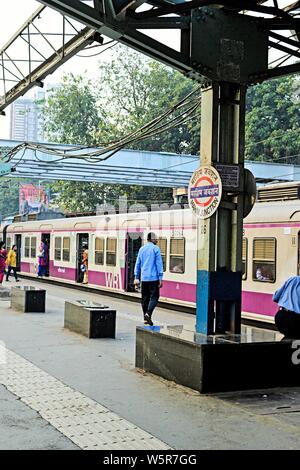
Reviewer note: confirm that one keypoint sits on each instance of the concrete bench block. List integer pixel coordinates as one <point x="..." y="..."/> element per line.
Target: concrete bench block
<point x="4" y="293"/>
<point x="217" y="364"/>
<point x="90" y="319"/>
<point x="28" y="299"/>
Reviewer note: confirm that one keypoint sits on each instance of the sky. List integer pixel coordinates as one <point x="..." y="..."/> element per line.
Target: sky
<point x="16" y="12"/>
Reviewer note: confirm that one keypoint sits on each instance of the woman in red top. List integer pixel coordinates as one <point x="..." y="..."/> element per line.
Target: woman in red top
<point x="3" y="256"/>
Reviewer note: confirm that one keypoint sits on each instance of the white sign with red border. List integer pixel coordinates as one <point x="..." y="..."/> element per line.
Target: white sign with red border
<point x="205" y="192"/>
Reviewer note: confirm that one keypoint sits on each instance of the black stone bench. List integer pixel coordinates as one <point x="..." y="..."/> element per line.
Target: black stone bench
<point x="219" y="363"/>
<point x="90" y="319"/>
<point x="28" y="299"/>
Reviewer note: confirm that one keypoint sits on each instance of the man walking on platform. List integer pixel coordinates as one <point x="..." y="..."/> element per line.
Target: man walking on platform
<point x="149" y="270"/>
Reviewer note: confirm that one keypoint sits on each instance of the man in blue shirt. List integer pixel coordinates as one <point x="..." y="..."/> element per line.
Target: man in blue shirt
<point x="287" y="319"/>
<point x="149" y="269"/>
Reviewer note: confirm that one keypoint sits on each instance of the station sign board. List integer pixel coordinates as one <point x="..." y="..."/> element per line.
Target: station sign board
<point x="205" y="192"/>
<point x="230" y="176"/>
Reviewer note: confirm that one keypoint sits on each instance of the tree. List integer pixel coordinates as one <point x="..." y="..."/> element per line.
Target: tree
<point x="272" y="121"/>
<point x="71" y="112"/>
<point x="9" y="201"/>
<point x="130" y="92"/>
<point x="85" y="197"/>
<point x="134" y="90"/>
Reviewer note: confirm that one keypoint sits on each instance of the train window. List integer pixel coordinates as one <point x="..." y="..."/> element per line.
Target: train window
<point x="66" y="249"/>
<point x="244" y="258"/>
<point x="177" y="255"/>
<point x="264" y="259"/>
<point x="57" y="249"/>
<point x="27" y="247"/>
<point x="111" y="251"/>
<point x="33" y="247"/>
<point x="8" y="244"/>
<point x="162" y="244"/>
<point x="99" y="251"/>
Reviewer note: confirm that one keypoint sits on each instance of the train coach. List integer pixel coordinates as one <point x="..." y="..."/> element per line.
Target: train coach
<point x="270" y="249"/>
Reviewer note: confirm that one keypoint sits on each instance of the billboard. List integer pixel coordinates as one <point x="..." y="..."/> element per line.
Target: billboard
<point x="32" y="199"/>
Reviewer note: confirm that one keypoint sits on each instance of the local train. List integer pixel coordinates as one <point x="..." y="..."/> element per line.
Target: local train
<point x="271" y="247"/>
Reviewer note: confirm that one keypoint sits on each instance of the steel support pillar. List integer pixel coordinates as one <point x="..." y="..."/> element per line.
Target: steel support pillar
<point x="219" y="256"/>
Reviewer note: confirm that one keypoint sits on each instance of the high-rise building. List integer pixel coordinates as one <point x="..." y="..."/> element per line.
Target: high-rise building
<point x="26" y="118"/>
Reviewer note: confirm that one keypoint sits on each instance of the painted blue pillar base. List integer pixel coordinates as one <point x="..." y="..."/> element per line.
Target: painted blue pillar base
<point x="204" y="306"/>
<point x="220" y="291"/>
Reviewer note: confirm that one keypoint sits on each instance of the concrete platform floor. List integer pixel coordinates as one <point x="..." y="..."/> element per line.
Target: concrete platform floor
<point x="103" y="370"/>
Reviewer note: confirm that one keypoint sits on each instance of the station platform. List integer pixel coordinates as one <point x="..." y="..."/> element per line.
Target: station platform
<point x="61" y="390"/>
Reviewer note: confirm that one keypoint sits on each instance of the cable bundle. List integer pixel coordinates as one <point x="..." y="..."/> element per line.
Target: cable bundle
<point x="182" y="112"/>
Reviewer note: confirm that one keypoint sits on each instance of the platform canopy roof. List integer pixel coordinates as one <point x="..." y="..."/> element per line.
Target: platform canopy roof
<point x="213" y="37"/>
<point x="133" y="167"/>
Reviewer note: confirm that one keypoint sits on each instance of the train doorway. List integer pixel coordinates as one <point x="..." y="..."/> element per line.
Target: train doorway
<point x="82" y="241"/>
<point x="134" y="243"/>
<point x="18" y="242"/>
<point x="46" y="241"/>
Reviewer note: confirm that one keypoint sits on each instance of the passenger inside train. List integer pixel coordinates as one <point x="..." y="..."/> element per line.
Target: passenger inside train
<point x="84" y="265"/>
<point x="264" y="273"/>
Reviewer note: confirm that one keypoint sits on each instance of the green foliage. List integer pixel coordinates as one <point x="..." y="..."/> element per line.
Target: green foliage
<point x="9" y="191"/>
<point x="9" y="200"/>
<point x="130" y="92"/>
<point x="71" y="112"/>
<point x="133" y="90"/>
<point x="273" y="121"/>
<point x="84" y="197"/>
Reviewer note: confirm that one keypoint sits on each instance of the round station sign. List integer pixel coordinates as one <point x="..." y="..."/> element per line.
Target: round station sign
<point x="205" y="191"/>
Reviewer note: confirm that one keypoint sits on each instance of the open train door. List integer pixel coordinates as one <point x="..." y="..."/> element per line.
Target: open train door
<point x="82" y="240"/>
<point x="18" y="242"/>
<point x="134" y="243"/>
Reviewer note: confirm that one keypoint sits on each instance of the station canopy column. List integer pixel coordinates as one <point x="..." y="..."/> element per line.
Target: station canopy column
<point x="236" y="49"/>
<point x="219" y="241"/>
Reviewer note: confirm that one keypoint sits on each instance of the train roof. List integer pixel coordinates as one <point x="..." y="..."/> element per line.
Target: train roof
<point x="279" y="202"/>
<point x="109" y="221"/>
<point x="276" y="202"/>
<point x="275" y="212"/>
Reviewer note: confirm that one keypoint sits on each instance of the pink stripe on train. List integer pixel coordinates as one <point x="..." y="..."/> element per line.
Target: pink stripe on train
<point x="265" y="225"/>
<point x="252" y="302"/>
<point x="257" y="302"/>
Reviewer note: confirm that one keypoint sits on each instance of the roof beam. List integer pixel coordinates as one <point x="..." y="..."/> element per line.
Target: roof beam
<point x="31" y="66"/>
<point x="86" y="37"/>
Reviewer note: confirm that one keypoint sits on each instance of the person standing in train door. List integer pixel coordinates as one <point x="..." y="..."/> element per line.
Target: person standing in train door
<point x="41" y="261"/>
<point x="149" y="270"/>
<point x="85" y="264"/>
<point x="3" y="255"/>
<point x="287" y="319"/>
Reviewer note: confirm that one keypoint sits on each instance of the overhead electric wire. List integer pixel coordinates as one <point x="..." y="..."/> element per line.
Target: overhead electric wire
<point x="279" y="158"/>
<point x="98" y="53"/>
<point x="268" y="138"/>
<point x="186" y="109"/>
<point x="99" y="45"/>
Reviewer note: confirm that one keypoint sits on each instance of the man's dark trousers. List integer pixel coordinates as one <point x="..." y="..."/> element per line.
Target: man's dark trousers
<point x="288" y="323"/>
<point x="150" y="296"/>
